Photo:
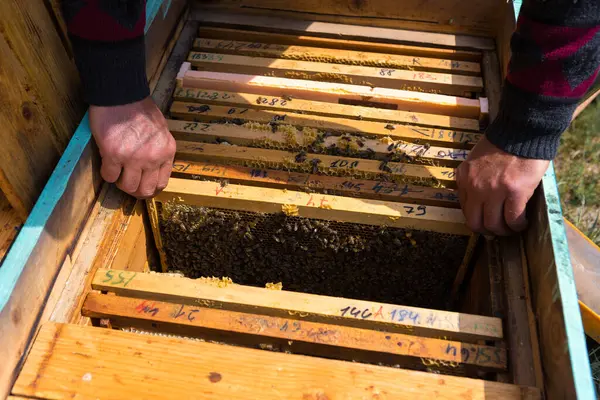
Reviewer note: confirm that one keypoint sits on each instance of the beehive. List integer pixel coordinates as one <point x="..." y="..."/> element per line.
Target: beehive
<point x="378" y="125"/>
<point x="346" y="158"/>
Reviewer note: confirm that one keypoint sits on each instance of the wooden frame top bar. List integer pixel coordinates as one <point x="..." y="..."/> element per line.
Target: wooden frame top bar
<point x="303" y="306"/>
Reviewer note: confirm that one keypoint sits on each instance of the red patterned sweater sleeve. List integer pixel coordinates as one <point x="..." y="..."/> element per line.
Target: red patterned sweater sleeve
<point x="108" y="41"/>
<point x="555" y="60"/>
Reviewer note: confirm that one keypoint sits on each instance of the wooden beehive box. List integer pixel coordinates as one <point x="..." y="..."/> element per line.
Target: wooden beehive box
<point x="316" y="146"/>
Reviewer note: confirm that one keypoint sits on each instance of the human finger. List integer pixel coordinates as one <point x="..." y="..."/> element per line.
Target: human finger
<point x="515" y="212"/>
<point x="130" y="178"/>
<point x="110" y="170"/>
<point x="148" y="181"/>
<point x="163" y="175"/>
<point x="473" y="211"/>
<point x="493" y="216"/>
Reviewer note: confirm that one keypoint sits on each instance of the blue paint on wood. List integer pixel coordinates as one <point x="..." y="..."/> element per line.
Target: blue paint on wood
<point x="16" y="259"/>
<point x="152" y="8"/>
<point x="567" y="291"/>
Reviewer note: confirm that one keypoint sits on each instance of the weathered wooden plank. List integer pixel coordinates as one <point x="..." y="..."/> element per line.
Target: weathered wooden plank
<point x="302" y="306"/>
<point x="381" y="190"/>
<point x="32" y="264"/>
<point x="33" y="84"/>
<point x="10" y="223"/>
<point x="520" y="322"/>
<point x="319" y="206"/>
<point x="342" y="31"/>
<point x="218" y="371"/>
<point x="464" y="265"/>
<point x="416" y="134"/>
<point x="493" y="82"/>
<point x="41" y="102"/>
<point x="405" y="100"/>
<point x="290" y="138"/>
<point x="129" y="243"/>
<point x="321" y="108"/>
<point x="160" y="39"/>
<point x="478" y="18"/>
<point x="300" y="162"/>
<point x="194" y="320"/>
<point x="419" y="81"/>
<point x="562" y="342"/>
<point x="165" y="85"/>
<point x="335" y="56"/>
<point x="69" y="285"/>
<point x="217" y="33"/>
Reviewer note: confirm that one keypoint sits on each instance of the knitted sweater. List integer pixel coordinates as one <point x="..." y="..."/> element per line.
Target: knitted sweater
<point x="555" y="59"/>
<point x="107" y="37"/>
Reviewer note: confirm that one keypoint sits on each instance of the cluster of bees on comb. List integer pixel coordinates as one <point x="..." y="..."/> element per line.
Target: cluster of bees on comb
<point x="331" y="258"/>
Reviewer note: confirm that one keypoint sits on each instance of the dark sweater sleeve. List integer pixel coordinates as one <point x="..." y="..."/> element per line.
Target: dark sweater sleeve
<point x="555" y="55"/>
<point x="107" y="37"/>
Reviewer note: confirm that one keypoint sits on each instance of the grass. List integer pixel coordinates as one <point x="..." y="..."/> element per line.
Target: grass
<point x="578" y="172"/>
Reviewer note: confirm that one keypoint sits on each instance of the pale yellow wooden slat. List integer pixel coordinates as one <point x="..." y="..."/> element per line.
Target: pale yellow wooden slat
<point x="319" y="54"/>
<point x="361" y="188"/>
<point x="89" y="362"/>
<point x="416" y="134"/>
<point x="334" y="92"/>
<point x="292" y="139"/>
<point x="267" y="23"/>
<point x="330" y="165"/>
<point x="322" y="108"/>
<point x="319" y="206"/>
<point x="432" y="82"/>
<point x="303" y="306"/>
<point x="221" y="33"/>
<point x="254" y="328"/>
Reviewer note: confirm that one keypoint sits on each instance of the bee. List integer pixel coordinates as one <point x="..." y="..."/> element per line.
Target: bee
<point x="301" y="157"/>
<point x="259" y="100"/>
<point x="287" y="97"/>
<point x="384" y="167"/>
<point x="223" y="183"/>
<point x="315" y="165"/>
<point x="390" y="127"/>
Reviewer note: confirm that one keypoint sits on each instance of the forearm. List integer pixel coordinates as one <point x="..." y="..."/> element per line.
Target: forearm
<point x="555" y="60"/>
<point x="108" y="42"/>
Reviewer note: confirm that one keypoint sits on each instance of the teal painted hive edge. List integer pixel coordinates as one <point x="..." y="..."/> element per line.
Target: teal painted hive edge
<point x="16" y="259"/>
<point x="567" y="291"/>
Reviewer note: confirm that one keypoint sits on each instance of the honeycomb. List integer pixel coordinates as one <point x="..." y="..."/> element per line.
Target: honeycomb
<point x="376" y="263"/>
